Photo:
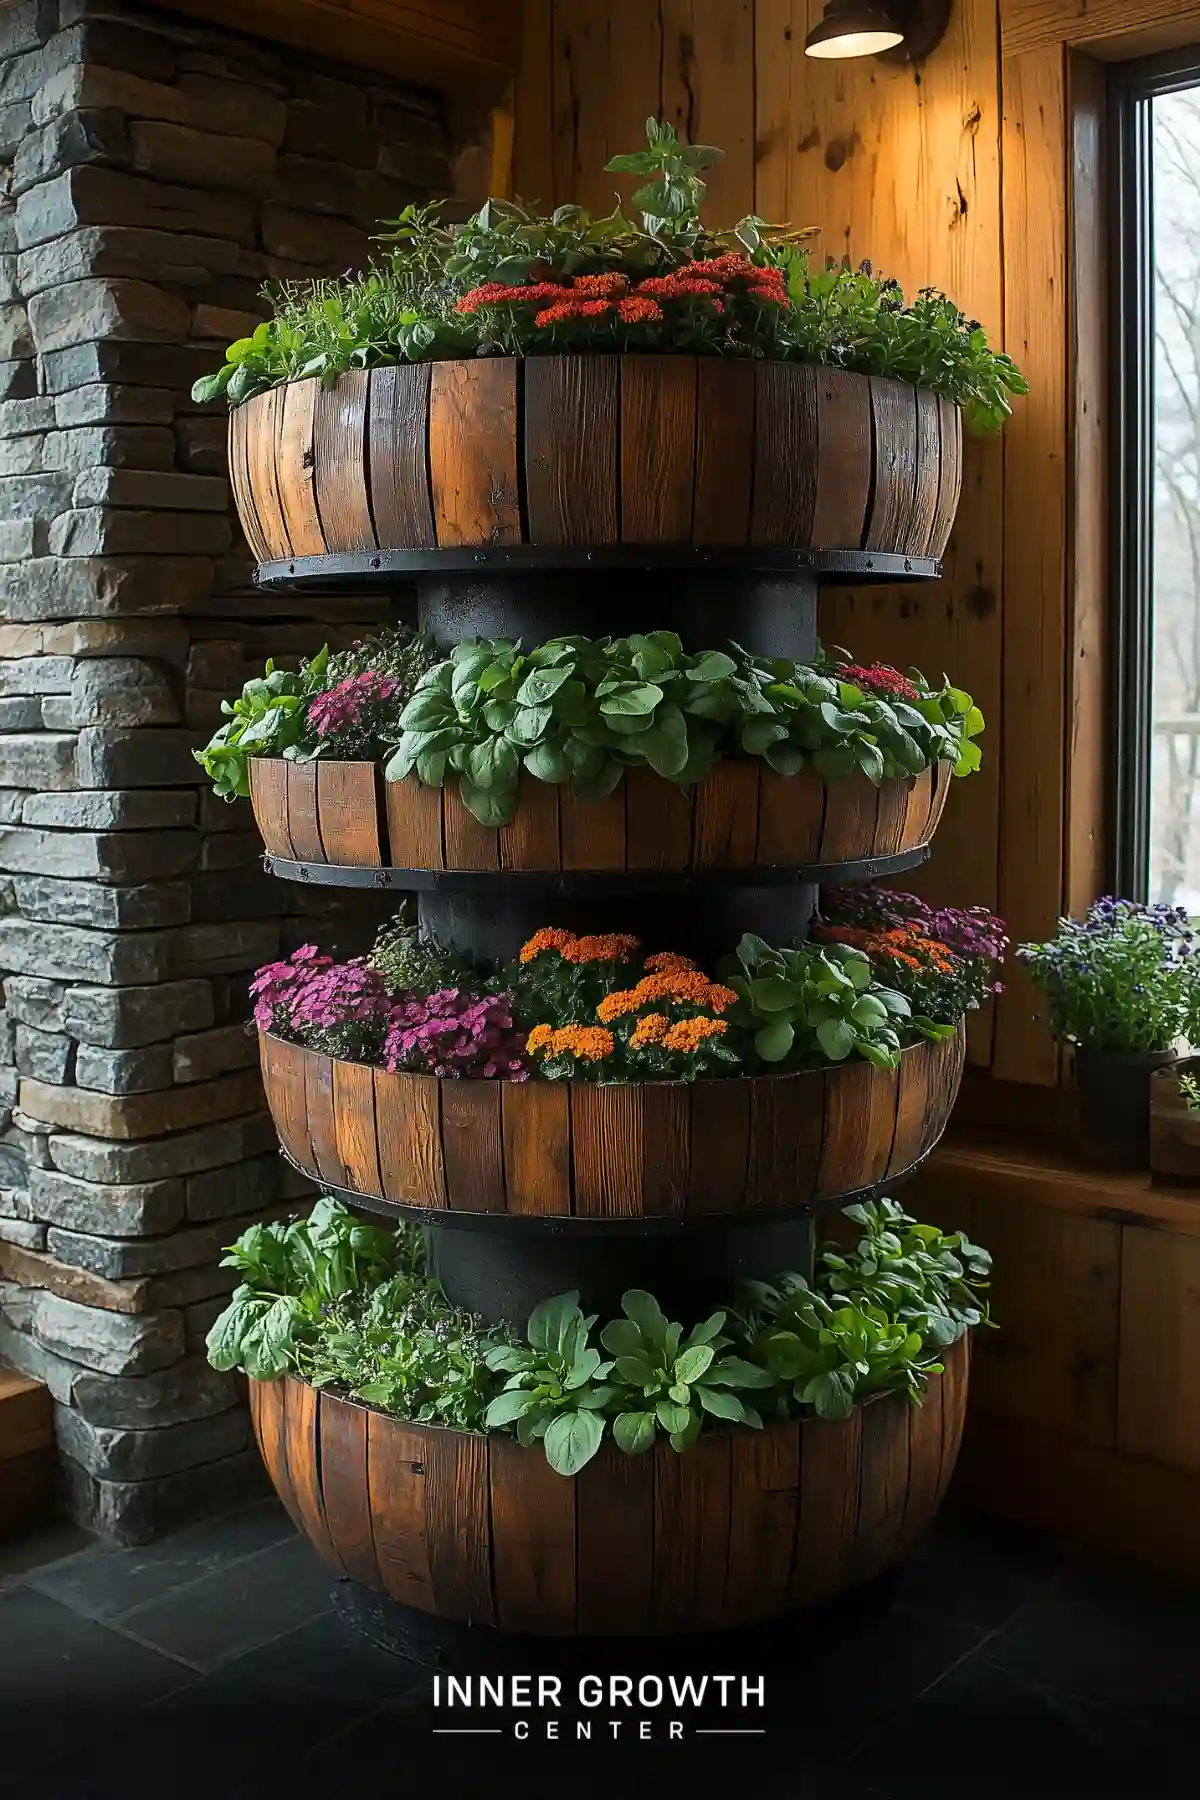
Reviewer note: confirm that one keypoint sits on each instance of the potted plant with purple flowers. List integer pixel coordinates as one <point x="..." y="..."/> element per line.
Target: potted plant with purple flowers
<point x="1123" y="986"/>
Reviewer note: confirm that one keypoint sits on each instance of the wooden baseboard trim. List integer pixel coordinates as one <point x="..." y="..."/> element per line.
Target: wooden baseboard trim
<point x="1095" y="1496"/>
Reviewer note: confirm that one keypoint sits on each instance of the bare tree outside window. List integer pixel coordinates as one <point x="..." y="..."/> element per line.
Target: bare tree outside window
<point x="1175" y="757"/>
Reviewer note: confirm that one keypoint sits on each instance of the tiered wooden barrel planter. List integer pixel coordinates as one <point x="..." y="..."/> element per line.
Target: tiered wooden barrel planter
<point x="744" y="1526"/>
<point x="604" y="494"/>
<point x="742" y="816"/>
<point x="591" y="451"/>
<point x="614" y="1150"/>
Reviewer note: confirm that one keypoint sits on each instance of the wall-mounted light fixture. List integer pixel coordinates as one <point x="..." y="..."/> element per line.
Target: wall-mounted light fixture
<point x="899" y="30"/>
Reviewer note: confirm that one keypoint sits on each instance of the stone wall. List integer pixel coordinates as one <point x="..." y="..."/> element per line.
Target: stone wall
<point x="154" y="174"/>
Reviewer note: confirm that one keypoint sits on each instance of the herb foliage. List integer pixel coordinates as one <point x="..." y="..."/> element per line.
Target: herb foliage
<point x="515" y="281"/>
<point x="350" y="1306"/>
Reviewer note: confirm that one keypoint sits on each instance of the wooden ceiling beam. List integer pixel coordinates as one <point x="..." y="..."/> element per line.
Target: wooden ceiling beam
<point x="447" y="43"/>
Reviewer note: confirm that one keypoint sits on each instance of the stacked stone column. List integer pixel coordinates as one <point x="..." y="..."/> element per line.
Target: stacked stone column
<point x="155" y="173"/>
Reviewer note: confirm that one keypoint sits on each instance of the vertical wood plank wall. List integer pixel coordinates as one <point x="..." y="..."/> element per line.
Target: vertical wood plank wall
<point x="908" y="173"/>
<point x="1084" y="1416"/>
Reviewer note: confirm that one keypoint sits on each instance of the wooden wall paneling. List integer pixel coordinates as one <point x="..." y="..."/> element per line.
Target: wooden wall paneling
<point x="1056" y="1294"/>
<point x="1078" y="1491"/>
<point x="533" y="142"/>
<point x="1158" y="1405"/>
<point x="1033" y="746"/>
<point x="1087" y="524"/>
<point x="1100" y="24"/>
<point x="909" y="175"/>
<point x="707" y="93"/>
<point x="607" y="57"/>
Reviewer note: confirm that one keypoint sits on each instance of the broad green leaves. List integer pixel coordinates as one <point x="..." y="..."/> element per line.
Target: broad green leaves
<point x="581" y="711"/>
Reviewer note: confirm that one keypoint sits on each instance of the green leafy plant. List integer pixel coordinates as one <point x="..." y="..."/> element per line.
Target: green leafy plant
<point x="580" y="711"/>
<point x="827" y="1356"/>
<point x="348" y="1305"/>
<point x="670" y="1381"/>
<point x="1189" y="1087"/>
<point x="819" y="1003"/>
<point x="269" y="719"/>
<point x="933" y="1281"/>
<point x="291" y="1273"/>
<point x="412" y="962"/>
<point x="513" y="280"/>
<point x="555" y="1391"/>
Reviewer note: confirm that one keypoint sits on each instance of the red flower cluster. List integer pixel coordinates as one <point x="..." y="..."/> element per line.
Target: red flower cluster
<point x="597" y="296"/>
<point x="879" y="678"/>
<point x="500" y="293"/>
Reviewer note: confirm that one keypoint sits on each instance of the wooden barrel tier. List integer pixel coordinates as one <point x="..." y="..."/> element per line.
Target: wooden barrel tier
<point x="743" y="1527"/>
<point x="594" y="450"/>
<point x="609" y="1150"/>
<point x="741" y="816"/>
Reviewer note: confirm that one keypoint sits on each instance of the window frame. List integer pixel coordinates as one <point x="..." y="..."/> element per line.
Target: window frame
<point x="1131" y="533"/>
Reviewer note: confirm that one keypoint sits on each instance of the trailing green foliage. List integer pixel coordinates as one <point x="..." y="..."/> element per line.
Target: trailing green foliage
<point x="348" y="1305"/>
<point x="580" y="711"/>
<point x="515" y="281"/>
<point x="819" y="1003"/>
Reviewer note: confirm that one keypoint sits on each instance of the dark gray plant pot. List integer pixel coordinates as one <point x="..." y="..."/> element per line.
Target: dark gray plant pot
<point x="1114" y="1105"/>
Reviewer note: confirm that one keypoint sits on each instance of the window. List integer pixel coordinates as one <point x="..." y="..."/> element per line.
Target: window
<point x="1157" y="497"/>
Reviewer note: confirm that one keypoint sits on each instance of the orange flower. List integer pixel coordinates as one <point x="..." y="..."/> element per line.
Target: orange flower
<point x="680" y="985"/>
<point x="548" y="938"/>
<point x="553" y="314"/>
<point x="668" y="962"/>
<point x="766" y="294"/>
<point x="638" y="310"/>
<point x="689" y="1034"/>
<point x="588" y="1042"/>
<point x="650" y="1030"/>
<point x="612" y="946"/>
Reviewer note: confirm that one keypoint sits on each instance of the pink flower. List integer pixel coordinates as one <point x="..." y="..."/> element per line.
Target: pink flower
<point x="452" y="1034"/>
<point x="344" y="706"/>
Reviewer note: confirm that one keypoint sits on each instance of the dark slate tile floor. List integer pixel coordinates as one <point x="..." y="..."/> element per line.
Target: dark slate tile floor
<point x="998" y="1666"/>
